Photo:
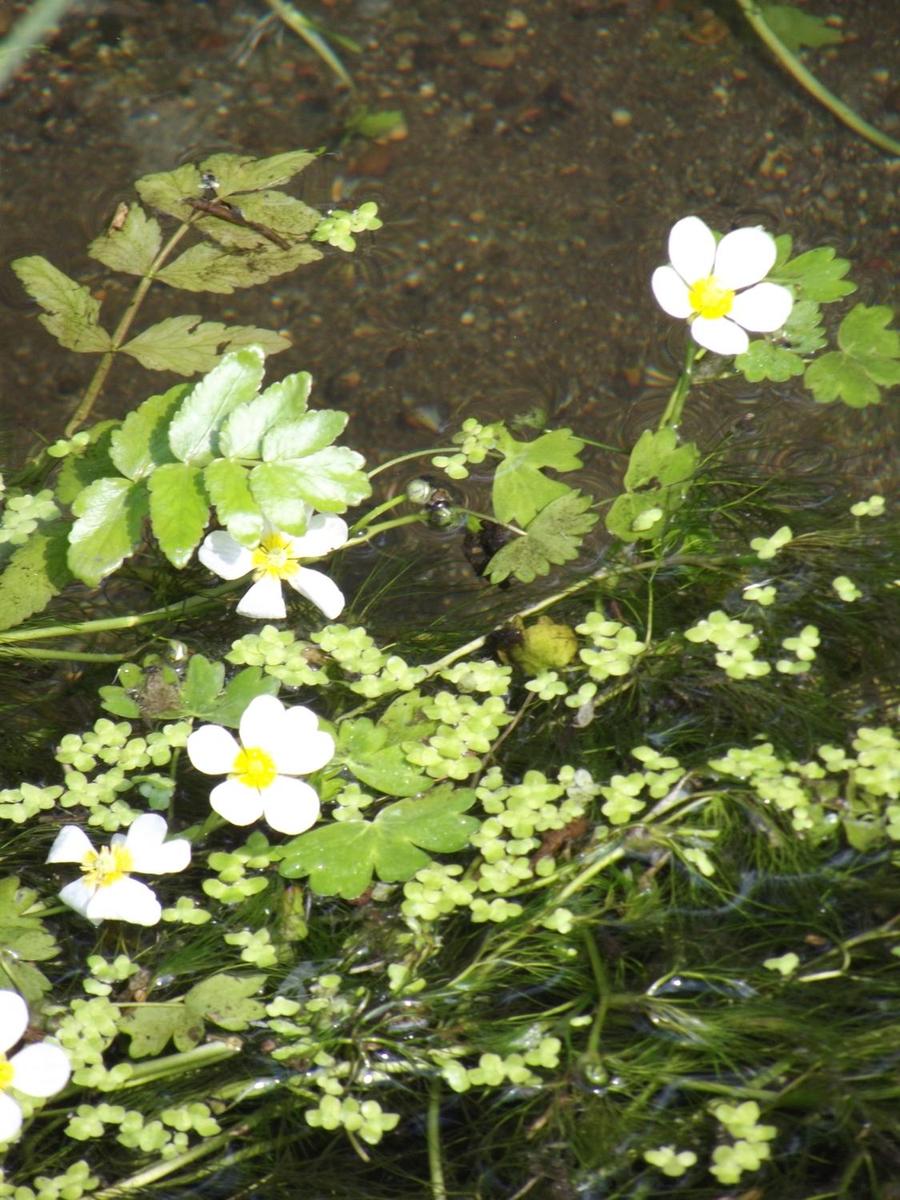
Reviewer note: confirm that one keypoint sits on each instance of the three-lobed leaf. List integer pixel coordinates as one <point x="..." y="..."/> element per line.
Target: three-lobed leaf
<point x="817" y="275"/>
<point x="193" y="432"/>
<point x="521" y="489"/>
<point x="866" y="361"/>
<point x="374" y="754"/>
<point x="188" y="345"/>
<point x="131" y="247"/>
<point x="243" y="431"/>
<point x="71" y="314"/>
<point x="553" y="537"/>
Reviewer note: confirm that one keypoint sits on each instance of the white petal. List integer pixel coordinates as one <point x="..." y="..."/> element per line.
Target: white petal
<point x="77" y="895"/>
<point x="10" y="1118"/>
<point x="263" y="600"/>
<point x="719" y="335"/>
<point x="125" y="900"/>
<point x="290" y="805"/>
<point x="225" y="557"/>
<point x="321" y="591"/>
<point x="301" y="747"/>
<point x="744" y="256"/>
<point x="261" y="722"/>
<point x="212" y="749"/>
<point x="40" y="1070"/>
<point x="326" y="532"/>
<point x="671" y="292"/>
<point x="71" y="845"/>
<point x="238" y="804"/>
<point x="151" y="855"/>
<point x="762" y="308"/>
<point x="13" y="1019"/>
<point x="692" y="249"/>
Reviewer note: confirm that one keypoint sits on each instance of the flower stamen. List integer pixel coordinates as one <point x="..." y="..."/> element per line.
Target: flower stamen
<point x="102" y="868"/>
<point x="274" y="556"/>
<point x="7" y="1073"/>
<point x="254" y="767"/>
<point x="709" y="299"/>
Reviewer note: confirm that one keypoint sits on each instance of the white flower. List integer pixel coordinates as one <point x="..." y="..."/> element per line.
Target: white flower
<point x="276" y="744"/>
<point x="278" y="558"/>
<point x="704" y="281"/>
<point x="40" y="1069"/>
<point x="106" y="891"/>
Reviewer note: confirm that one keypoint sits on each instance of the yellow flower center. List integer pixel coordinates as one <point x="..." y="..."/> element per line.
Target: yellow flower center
<point x="6" y="1073"/>
<point x="254" y="768"/>
<point x="102" y="868"/>
<point x="709" y="299"/>
<point x="274" y="556"/>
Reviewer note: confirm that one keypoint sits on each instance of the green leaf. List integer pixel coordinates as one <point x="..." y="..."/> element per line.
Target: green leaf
<point x="188" y="345"/>
<point x="179" y="510"/>
<point x="240" y="173"/>
<point x="141" y="443"/>
<point x="193" y="432"/>
<point x="866" y="361"/>
<point x="208" y="268"/>
<point x="225" y="1000"/>
<point x="166" y="191"/>
<point x="797" y="29"/>
<point x="554" y="536"/>
<point x="23" y="940"/>
<point x="79" y="470"/>
<point x="520" y="489"/>
<point x="373" y="753"/>
<point x="241" y="689"/>
<point x="330" y="480"/>
<point x="817" y="275"/>
<point x="658" y="456"/>
<point x="71" y="314"/>
<point x="765" y="360"/>
<point x="277" y="211"/>
<point x="202" y="684"/>
<point x="624" y="519"/>
<point x="151" y="1026"/>
<point x="243" y="431"/>
<point x="307" y="435"/>
<point x="133" y="248"/>
<point x="229" y="489"/>
<point x="340" y="859"/>
<point x="36" y="572"/>
<point x="803" y="329"/>
<point x="109" y="528"/>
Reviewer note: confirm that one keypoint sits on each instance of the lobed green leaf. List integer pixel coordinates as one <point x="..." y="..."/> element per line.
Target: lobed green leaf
<point x="71" y="314"/>
<point x="188" y="345"/>
<point x="132" y="248"/>
<point x="141" y="443"/>
<point x="243" y="431"/>
<point x="553" y="537"/>
<point x="227" y="483"/>
<point x="109" y="527"/>
<point x="193" y="432"/>
<point x="179" y="510"/>
<point x="35" y="573"/>
<point x="520" y="489"/>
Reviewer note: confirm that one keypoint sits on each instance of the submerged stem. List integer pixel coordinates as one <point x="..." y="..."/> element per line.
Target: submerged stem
<point x="671" y="417"/>
<point x="435" y="1164"/>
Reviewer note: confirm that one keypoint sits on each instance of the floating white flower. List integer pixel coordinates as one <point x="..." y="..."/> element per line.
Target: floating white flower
<point x="276" y="744"/>
<point x="40" y="1069"/>
<point x="717" y="287"/>
<point x="106" y="891"/>
<point x="278" y="558"/>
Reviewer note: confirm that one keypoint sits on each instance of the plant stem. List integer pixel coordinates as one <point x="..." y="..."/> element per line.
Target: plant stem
<point x="807" y="80"/>
<point x="84" y="409"/>
<point x="33" y="653"/>
<point x="435" y="1164"/>
<point x="671" y="417"/>
<point x="395" y="462"/>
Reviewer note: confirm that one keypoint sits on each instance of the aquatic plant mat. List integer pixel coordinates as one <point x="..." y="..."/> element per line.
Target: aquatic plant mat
<point x="541" y="845"/>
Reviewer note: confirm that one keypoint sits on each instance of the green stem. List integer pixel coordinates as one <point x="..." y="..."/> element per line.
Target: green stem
<point x="671" y="417"/>
<point x="409" y="519"/>
<point x="435" y="1164"/>
<point x="107" y="624"/>
<point x="807" y="80"/>
<point x="395" y="462"/>
<point x="84" y="409"/>
<point x="33" y="653"/>
<point x="366" y="520"/>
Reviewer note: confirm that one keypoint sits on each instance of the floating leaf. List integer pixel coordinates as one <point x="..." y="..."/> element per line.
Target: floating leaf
<point x="166" y="191"/>
<point x="866" y="362"/>
<point x="189" y="345"/>
<point x="179" y="510"/>
<point x="340" y="859"/>
<point x="203" y="681"/>
<point x="132" y="248"/>
<point x="373" y="753"/>
<point x="110" y="514"/>
<point x="242" y="688"/>
<point x="803" y="329"/>
<point x="36" y="572"/>
<point x="633" y="515"/>
<point x="330" y="480"/>
<point x="239" y="173"/>
<point x="222" y="999"/>
<point x="797" y="29"/>
<point x="141" y="442"/>
<point x="193" y="433"/>
<point x="281" y="214"/>
<point x="229" y="490"/>
<point x="71" y="314"/>
<point x="521" y="490"/>
<point x="208" y="268"/>
<point x="817" y="275"/>
<point x="658" y="456"/>
<point x="554" y="536"/>
<point x="764" y="360"/>
<point x="23" y="941"/>
<point x="243" y="431"/>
